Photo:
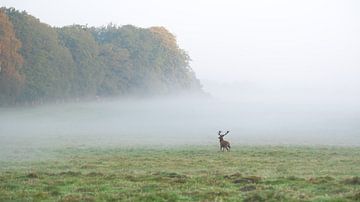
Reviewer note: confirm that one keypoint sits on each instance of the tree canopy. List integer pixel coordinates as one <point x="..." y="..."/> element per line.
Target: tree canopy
<point x="41" y="63"/>
<point x="10" y="61"/>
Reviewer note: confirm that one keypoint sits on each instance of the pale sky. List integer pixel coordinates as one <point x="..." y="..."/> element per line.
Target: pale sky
<point x="307" y="42"/>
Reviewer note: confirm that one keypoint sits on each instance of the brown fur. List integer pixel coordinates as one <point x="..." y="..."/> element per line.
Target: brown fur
<point x="223" y="143"/>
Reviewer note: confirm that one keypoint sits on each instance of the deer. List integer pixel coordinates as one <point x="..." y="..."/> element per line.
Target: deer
<point x="223" y="143"/>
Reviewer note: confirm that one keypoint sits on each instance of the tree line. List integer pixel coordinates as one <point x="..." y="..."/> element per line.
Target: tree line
<point x="40" y="63"/>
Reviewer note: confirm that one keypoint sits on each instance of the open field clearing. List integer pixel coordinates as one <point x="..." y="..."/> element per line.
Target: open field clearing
<point x="186" y="173"/>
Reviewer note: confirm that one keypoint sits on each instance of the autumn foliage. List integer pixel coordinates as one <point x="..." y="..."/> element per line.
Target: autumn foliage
<point x="40" y="63"/>
<point x="10" y="61"/>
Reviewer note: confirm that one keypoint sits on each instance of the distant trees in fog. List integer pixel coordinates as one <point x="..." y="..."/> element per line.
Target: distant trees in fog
<point x="40" y="63"/>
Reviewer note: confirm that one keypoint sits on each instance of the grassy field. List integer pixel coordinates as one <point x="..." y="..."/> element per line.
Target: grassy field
<point x="187" y="173"/>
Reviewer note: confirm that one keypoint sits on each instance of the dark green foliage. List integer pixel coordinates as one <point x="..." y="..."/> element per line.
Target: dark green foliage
<point x="76" y="62"/>
<point x="48" y="66"/>
<point x="85" y="53"/>
<point x="150" y="58"/>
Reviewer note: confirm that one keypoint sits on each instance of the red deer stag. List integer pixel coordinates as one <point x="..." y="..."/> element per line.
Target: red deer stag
<point x="224" y="144"/>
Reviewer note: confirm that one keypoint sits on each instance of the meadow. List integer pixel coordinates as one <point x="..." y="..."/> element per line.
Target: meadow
<point x="167" y="150"/>
<point x="185" y="173"/>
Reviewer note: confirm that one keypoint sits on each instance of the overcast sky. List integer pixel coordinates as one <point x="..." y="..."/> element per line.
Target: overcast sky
<point x="312" y="43"/>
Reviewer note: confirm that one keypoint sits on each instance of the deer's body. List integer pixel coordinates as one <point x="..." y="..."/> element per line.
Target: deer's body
<point x="223" y="143"/>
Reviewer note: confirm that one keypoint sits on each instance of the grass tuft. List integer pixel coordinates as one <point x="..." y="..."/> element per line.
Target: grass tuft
<point x="320" y="180"/>
<point x="353" y="181"/>
<point x="250" y="179"/>
<point x="70" y="173"/>
<point x="32" y="175"/>
<point x="248" y="188"/>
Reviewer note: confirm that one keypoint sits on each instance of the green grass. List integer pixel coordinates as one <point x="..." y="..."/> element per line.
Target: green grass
<point x="247" y="173"/>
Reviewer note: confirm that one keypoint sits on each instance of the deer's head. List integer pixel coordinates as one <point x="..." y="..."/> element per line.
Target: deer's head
<point x="221" y="137"/>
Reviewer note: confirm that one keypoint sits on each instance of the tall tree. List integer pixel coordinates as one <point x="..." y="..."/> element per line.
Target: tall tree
<point x="85" y="53"/>
<point x="48" y="66"/>
<point x="117" y="70"/>
<point x="10" y="62"/>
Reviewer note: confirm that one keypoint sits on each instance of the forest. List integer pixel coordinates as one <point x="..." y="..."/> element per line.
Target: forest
<point x="40" y="63"/>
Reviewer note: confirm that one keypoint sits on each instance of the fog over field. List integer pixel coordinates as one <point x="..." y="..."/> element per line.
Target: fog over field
<point x="255" y="117"/>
